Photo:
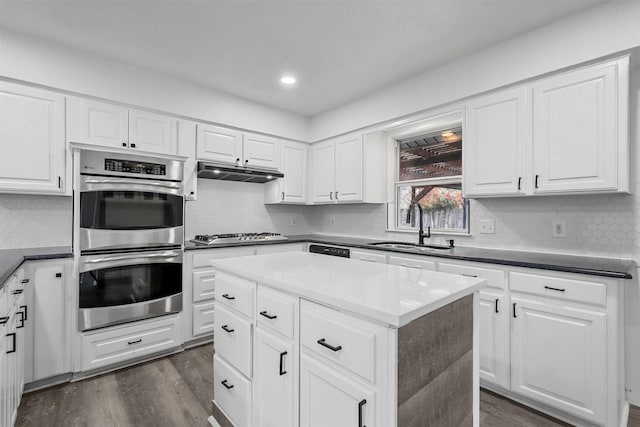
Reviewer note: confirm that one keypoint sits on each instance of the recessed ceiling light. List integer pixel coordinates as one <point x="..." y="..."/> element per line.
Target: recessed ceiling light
<point x="447" y="134"/>
<point x="288" y="80"/>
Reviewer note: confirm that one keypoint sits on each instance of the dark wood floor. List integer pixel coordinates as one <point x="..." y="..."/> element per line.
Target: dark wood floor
<point x="176" y="391"/>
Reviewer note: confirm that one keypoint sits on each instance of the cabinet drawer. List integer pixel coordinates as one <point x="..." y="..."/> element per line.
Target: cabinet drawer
<point x="561" y="288"/>
<point x="345" y="340"/>
<point x="203" y="318"/>
<point x="412" y="262"/>
<point x="235" y="293"/>
<point x="369" y="256"/>
<point x="203" y="257"/>
<point x="494" y="278"/>
<point x="232" y="392"/>
<point x="114" y="346"/>
<point x="204" y="285"/>
<point x="233" y="339"/>
<point x="276" y="310"/>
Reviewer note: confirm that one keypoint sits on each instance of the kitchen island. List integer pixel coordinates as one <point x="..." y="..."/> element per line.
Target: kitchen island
<point x="310" y="340"/>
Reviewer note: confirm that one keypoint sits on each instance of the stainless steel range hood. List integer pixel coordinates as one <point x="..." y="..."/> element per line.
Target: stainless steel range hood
<point x="221" y="171"/>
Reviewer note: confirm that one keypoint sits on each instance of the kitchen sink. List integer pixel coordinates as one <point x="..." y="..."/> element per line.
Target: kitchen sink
<point x="410" y="246"/>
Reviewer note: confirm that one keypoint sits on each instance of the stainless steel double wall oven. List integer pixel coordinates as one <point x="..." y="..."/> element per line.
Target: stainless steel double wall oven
<point x="130" y="233"/>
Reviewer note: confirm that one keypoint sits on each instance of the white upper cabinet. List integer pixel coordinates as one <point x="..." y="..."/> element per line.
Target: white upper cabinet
<point x="580" y="130"/>
<point x="564" y="134"/>
<point x="100" y="123"/>
<point x="187" y="148"/>
<point x="224" y="145"/>
<point x="33" y="157"/>
<point x="349" y="169"/>
<point x="293" y="187"/>
<point x="495" y="144"/>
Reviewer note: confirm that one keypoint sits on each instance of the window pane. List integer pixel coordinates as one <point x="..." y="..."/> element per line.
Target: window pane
<point x="431" y="156"/>
<point x="443" y="207"/>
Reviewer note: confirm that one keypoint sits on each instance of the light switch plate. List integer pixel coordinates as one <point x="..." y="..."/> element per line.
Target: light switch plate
<point x="487" y="226"/>
<point x="559" y="229"/>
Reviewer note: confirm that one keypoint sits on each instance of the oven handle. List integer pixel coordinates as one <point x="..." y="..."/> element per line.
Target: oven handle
<point x="123" y="257"/>
<point x="134" y="182"/>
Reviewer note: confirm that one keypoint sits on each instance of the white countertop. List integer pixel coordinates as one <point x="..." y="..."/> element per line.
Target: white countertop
<point x="388" y="294"/>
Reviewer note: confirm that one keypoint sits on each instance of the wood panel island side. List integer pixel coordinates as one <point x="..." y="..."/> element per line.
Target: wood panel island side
<point x="315" y="341"/>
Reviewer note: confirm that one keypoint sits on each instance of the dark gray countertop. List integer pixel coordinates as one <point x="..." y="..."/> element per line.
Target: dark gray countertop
<point x="11" y="259"/>
<point x="606" y="267"/>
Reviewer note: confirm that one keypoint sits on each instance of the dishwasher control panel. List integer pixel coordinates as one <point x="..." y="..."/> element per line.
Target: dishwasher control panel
<point x="329" y="250"/>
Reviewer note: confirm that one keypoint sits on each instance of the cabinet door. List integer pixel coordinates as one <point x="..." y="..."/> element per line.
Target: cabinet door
<point x="559" y="356"/>
<point x="369" y="256"/>
<point x="152" y="132"/>
<point x="322" y="169"/>
<point x="187" y="148"/>
<point x="275" y="392"/>
<point x="576" y="130"/>
<point x="49" y="321"/>
<point x="261" y="151"/>
<point x="99" y="123"/>
<point x="348" y="168"/>
<point x="495" y="142"/>
<point x="494" y="345"/>
<point x="203" y="318"/>
<point x="218" y="144"/>
<point x="32" y="143"/>
<point x="329" y="398"/>
<point x="294" y="167"/>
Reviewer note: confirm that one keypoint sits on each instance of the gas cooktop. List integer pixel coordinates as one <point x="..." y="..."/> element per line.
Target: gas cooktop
<point x="210" y="239"/>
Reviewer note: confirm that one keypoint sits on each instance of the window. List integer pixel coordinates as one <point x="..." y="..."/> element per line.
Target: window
<point x="429" y="171"/>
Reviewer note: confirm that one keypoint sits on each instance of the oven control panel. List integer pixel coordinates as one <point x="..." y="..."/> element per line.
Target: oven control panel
<point x="128" y="166"/>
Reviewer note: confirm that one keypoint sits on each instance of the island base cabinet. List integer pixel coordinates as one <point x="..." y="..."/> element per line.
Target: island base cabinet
<point x="329" y="398"/>
<point x="231" y="393"/>
<point x="559" y="356"/>
<point x="274" y="382"/>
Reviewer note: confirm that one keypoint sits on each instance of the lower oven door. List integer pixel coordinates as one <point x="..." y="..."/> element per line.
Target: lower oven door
<point x="125" y="287"/>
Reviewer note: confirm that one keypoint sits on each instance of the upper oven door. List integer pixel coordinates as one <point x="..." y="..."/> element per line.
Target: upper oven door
<point x="120" y="213"/>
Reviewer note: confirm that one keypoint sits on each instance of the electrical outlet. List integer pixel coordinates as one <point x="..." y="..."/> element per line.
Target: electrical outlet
<point x="333" y="221"/>
<point x="559" y="229"/>
<point x="293" y="221"/>
<point x="487" y="226"/>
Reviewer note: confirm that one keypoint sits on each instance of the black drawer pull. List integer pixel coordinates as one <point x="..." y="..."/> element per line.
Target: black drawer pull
<point x="23" y="281"/>
<point x="497" y="301"/>
<point x="282" y="355"/>
<point x="139" y="340"/>
<point x="323" y="343"/>
<point x="4" y="320"/>
<point x="469" y="275"/>
<point x="226" y="385"/>
<point x="554" y="289"/>
<point x="268" y="316"/>
<point x="227" y="296"/>
<point x="360" y="405"/>
<point x="133" y="145"/>
<point x="13" y="336"/>
<point x="514" y="310"/>
<point x="25" y="311"/>
<point x="17" y="291"/>
<point x="21" y="320"/>
<point x="226" y="329"/>
<point x="58" y="274"/>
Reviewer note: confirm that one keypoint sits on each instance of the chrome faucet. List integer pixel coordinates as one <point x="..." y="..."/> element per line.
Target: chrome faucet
<point x="421" y="233"/>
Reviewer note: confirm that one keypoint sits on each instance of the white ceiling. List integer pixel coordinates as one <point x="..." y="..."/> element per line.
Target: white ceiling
<point x="340" y="50"/>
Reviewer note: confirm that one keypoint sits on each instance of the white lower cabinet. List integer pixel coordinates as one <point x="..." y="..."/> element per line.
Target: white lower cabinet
<point x="409" y="261"/>
<point x="369" y="256"/>
<point x="203" y="318"/>
<point x="275" y="386"/>
<point x="328" y="398"/>
<point x="232" y="392"/>
<point x="120" y="344"/>
<point x="559" y="356"/>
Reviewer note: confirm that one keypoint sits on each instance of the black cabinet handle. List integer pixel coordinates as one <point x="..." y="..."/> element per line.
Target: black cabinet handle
<point x="514" y="310"/>
<point x="519" y="182"/>
<point x="536" y="183"/>
<point x="133" y="145"/>
<point x="13" y="336"/>
<point x="23" y="281"/>
<point x="21" y="314"/>
<point x="330" y="195"/>
<point x="226" y="385"/>
<point x="124" y="144"/>
<point x="554" y="289"/>
<point x="139" y="340"/>
<point x="282" y="371"/>
<point x="58" y="274"/>
<point x="17" y="291"/>
<point x="283" y="195"/>
<point x="268" y="316"/>
<point x="227" y="296"/>
<point x="336" y="195"/>
<point x="25" y="311"/>
<point x="360" y="405"/>
<point x="60" y="182"/>
<point x="226" y="329"/>
<point x="497" y="300"/>
<point x="468" y="275"/>
<point x="4" y="320"/>
<point x="323" y="343"/>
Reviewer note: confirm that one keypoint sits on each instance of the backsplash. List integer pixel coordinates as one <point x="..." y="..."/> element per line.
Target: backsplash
<point x="35" y="221"/>
<point x="238" y="207"/>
